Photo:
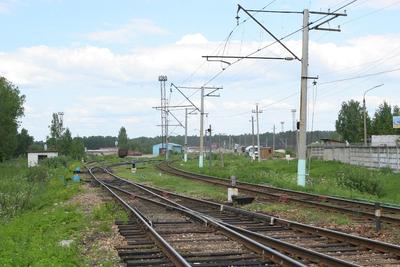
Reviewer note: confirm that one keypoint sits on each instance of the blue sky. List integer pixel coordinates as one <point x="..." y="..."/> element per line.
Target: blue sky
<point x="98" y="61"/>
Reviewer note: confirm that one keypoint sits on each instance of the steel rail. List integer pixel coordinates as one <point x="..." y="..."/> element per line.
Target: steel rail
<point x="169" y="251"/>
<point x="257" y="189"/>
<point x="251" y="244"/>
<point x="356" y="240"/>
<point x="312" y="256"/>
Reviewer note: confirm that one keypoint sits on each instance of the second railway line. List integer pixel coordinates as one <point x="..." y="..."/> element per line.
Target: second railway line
<point x="312" y="245"/>
<point x="389" y="214"/>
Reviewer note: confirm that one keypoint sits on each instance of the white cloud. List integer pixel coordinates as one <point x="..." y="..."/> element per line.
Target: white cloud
<point x="375" y="4"/>
<point x="127" y="32"/>
<point x="244" y="83"/>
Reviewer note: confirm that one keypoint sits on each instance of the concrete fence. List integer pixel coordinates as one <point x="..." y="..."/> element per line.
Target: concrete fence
<point x="373" y="157"/>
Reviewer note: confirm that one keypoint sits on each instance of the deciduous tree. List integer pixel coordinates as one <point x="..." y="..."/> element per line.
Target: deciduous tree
<point x="122" y="138"/>
<point x="350" y="122"/>
<point x="11" y="109"/>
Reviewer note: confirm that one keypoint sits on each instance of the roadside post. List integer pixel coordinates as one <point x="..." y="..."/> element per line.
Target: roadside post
<point x="232" y="190"/>
<point x="377" y="217"/>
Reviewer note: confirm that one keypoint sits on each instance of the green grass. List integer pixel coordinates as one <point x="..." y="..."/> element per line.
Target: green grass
<point x="30" y="231"/>
<point x="149" y="175"/>
<point x="331" y="178"/>
<point x="296" y="213"/>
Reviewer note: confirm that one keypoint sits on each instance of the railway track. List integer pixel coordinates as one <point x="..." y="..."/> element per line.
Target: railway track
<point x="183" y="238"/>
<point x="366" y="210"/>
<point x="311" y="245"/>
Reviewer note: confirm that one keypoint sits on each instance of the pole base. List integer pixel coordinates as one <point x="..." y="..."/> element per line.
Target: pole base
<point x="301" y="172"/>
<point x="201" y="162"/>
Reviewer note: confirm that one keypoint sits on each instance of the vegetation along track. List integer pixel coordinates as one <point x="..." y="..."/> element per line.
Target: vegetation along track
<point x="184" y="237"/>
<point x="389" y="214"/>
<point x="311" y="245"/>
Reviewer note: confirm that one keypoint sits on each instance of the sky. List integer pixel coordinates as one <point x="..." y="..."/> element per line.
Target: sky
<point x="99" y="62"/>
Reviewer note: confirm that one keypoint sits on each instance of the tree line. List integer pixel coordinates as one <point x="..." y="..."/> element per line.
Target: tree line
<point x="350" y="122"/>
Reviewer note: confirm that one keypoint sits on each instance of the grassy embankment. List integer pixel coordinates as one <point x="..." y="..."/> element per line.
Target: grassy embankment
<point x="36" y="214"/>
<point x="331" y="178"/>
<point x="149" y="175"/>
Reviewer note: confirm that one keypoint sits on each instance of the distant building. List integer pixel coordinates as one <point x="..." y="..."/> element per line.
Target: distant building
<point x="103" y="151"/>
<point x="331" y="142"/>
<point x="385" y="140"/>
<point x="171" y="147"/>
<point x="34" y="158"/>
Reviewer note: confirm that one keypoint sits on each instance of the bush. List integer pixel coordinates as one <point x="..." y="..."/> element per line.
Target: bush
<point x="56" y="162"/>
<point x="37" y="174"/>
<point x="360" y="181"/>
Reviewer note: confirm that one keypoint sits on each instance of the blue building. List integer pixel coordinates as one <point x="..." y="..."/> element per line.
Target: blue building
<point x="171" y="147"/>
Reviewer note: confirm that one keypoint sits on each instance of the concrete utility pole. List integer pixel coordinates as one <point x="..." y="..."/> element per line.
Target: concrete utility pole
<point x="318" y="24"/>
<point x="201" y="159"/>
<point x="294" y="129"/>
<point x="186" y="142"/>
<point x="365" y="113"/>
<point x="201" y="110"/>
<point x="164" y="115"/>
<point x="293" y="119"/>
<point x="301" y="165"/>
<point x="210" y="149"/>
<point x="252" y="131"/>
<point x="258" y="131"/>
<point x="273" y="139"/>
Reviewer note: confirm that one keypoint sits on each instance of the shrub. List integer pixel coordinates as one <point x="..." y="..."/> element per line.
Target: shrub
<point x="360" y="181"/>
<point x="56" y="162"/>
<point x="37" y="174"/>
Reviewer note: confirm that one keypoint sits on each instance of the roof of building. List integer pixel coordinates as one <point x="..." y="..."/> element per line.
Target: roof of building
<point x="171" y="144"/>
<point x="43" y="151"/>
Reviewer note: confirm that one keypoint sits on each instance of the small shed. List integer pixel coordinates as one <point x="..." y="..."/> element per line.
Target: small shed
<point x="35" y="157"/>
<point x="177" y="148"/>
<point x="265" y="152"/>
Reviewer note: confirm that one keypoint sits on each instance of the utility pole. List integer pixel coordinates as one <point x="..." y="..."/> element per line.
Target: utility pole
<point x="301" y="164"/>
<point x="192" y="110"/>
<point x="201" y="128"/>
<point x="186" y="142"/>
<point x="209" y="143"/>
<point x="318" y="24"/>
<point x="201" y="110"/>
<point x="252" y="131"/>
<point x="163" y="109"/>
<point x="258" y="132"/>
<point x="273" y="139"/>
<point x="294" y="129"/>
<point x="365" y="112"/>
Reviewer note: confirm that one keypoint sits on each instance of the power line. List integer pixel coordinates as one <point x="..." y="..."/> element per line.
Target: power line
<point x="360" y="76"/>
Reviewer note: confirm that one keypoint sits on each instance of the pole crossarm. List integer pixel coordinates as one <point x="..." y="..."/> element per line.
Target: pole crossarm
<point x="270" y="33"/>
<point x="180" y="124"/>
<point x="173" y="107"/>
<point x="244" y="57"/>
<point x="187" y="98"/>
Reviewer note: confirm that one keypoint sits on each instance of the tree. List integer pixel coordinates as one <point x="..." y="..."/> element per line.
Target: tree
<point x="65" y="142"/>
<point x="382" y="122"/>
<point x="350" y="122"/>
<point x="24" y="141"/>
<point x="77" y="150"/>
<point x="56" y="131"/>
<point x="11" y="109"/>
<point x="122" y="138"/>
